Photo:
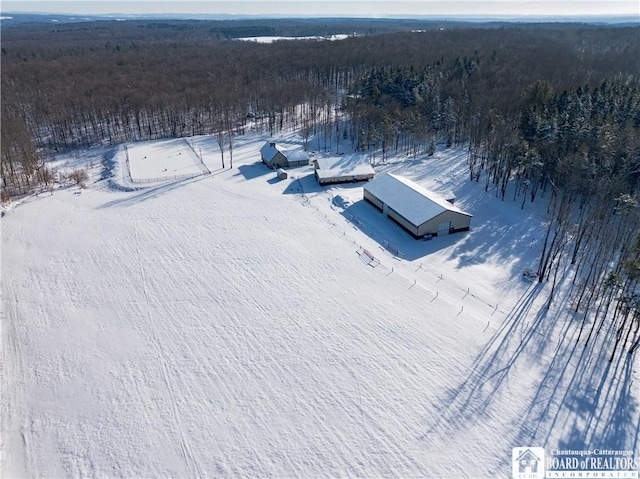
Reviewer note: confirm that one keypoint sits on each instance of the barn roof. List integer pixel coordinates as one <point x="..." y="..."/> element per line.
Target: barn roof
<point x="354" y="165"/>
<point x="412" y="201"/>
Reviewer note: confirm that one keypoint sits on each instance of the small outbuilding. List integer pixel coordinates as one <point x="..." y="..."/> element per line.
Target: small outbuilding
<point x="276" y="157"/>
<point x="281" y="174"/>
<point x="343" y="169"/>
<point x="296" y="157"/>
<point x="419" y="211"/>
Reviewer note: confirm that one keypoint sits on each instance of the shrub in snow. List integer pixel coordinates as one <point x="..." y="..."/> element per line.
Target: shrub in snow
<point x="80" y="177"/>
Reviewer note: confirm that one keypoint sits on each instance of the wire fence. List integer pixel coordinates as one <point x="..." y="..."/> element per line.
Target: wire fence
<point x="167" y="178"/>
<point x="205" y="169"/>
<point x="393" y="250"/>
<point x="424" y="278"/>
<point x="163" y="178"/>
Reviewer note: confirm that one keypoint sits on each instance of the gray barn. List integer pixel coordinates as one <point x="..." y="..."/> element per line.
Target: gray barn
<point x="419" y="211"/>
<point x="275" y="157"/>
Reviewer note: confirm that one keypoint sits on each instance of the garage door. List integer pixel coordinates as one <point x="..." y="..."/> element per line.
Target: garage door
<point x="443" y="228"/>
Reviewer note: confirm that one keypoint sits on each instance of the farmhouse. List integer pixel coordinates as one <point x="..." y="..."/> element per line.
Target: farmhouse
<point x="276" y="157"/>
<point x="343" y="169"/>
<point x="419" y="211"/>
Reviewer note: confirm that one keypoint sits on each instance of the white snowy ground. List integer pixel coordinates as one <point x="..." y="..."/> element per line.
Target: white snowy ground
<point x="271" y="39"/>
<point x="163" y="159"/>
<point x="225" y="325"/>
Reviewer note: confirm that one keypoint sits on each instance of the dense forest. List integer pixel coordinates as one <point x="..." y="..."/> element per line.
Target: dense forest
<point x="549" y="112"/>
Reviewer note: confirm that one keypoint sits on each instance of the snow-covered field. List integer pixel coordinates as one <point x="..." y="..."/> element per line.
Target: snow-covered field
<point x="164" y="159"/>
<point x="226" y="325"/>
<point x="271" y="39"/>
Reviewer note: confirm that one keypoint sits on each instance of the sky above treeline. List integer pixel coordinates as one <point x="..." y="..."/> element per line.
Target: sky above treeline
<point x="354" y="8"/>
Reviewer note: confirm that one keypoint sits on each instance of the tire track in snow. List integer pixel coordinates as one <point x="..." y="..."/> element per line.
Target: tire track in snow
<point x="13" y="372"/>
<point x="363" y="420"/>
<point x="192" y="463"/>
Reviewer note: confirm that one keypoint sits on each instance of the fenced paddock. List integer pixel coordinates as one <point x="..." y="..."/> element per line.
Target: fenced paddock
<point x="148" y="162"/>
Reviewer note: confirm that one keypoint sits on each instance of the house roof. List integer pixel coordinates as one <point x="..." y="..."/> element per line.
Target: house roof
<point x="354" y="165"/>
<point x="412" y="201"/>
<point x="269" y="150"/>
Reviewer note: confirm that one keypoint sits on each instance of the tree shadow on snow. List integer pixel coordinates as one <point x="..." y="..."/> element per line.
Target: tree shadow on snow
<point x="486" y="243"/>
<point x="149" y="192"/>
<point x="586" y="398"/>
<point x="579" y="401"/>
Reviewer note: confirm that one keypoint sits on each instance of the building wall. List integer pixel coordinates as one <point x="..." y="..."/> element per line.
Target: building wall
<point x="402" y="221"/>
<point x="372" y="199"/>
<point x="343" y="179"/>
<point x="458" y="222"/>
<point x="279" y="160"/>
<point x="298" y="163"/>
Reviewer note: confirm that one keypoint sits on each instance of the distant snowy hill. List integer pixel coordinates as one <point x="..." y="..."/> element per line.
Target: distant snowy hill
<point x="396" y="22"/>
